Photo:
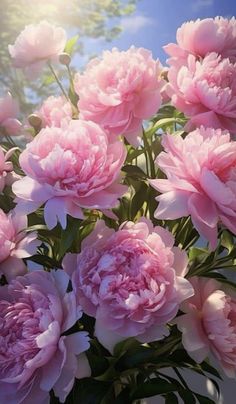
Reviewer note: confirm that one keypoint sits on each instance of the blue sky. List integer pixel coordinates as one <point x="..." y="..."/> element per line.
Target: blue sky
<point x="155" y="22"/>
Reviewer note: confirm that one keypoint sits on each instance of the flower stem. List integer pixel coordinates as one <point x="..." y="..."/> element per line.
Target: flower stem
<point x="57" y="80"/>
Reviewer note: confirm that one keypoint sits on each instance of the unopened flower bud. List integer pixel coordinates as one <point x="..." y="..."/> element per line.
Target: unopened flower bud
<point x="64" y="59"/>
<point x="35" y="121"/>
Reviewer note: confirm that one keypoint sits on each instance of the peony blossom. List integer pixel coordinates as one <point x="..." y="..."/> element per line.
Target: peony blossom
<point x="120" y="91"/>
<point x="36" y="45"/>
<point x="7" y="176"/>
<point x="35" y="357"/>
<point x="55" y="111"/>
<point x="205" y="91"/>
<point x="201" y="37"/>
<point x="9" y="111"/>
<point x="201" y="180"/>
<point x="15" y="244"/>
<point x="209" y="325"/>
<point x="69" y="169"/>
<point x="131" y="281"/>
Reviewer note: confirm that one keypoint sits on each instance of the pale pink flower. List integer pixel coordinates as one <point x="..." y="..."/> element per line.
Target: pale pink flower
<point x="55" y="111"/>
<point x="36" y="45"/>
<point x="120" y="90"/>
<point x="131" y="281"/>
<point x="35" y="310"/>
<point x="15" y="244"/>
<point x="7" y="175"/>
<point x="201" y="180"/>
<point x="209" y="325"/>
<point x="69" y="169"/>
<point x="9" y="111"/>
<point x="201" y="37"/>
<point x="205" y="91"/>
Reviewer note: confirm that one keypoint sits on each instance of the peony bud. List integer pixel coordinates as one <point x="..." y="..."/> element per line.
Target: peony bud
<point x="35" y="121"/>
<point x="64" y="59"/>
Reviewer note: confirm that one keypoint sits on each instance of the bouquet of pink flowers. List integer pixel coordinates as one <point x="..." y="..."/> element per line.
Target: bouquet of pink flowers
<point x="118" y="222"/>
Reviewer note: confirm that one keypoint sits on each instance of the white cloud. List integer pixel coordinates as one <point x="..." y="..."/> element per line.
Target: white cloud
<point x="199" y="4"/>
<point x="135" y="23"/>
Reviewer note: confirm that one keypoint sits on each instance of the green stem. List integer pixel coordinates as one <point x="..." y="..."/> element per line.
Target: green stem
<point x="57" y="80"/>
<point x="149" y="152"/>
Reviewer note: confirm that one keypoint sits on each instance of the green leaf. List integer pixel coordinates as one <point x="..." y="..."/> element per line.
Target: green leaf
<point x="47" y="80"/>
<point x="70" y="45"/>
<point x="171" y="398"/>
<point x="163" y="123"/>
<point x="203" y="399"/>
<point x="227" y="240"/>
<point x="123" y="397"/>
<point x="68" y="236"/>
<point x="187" y="396"/>
<point x="153" y="387"/>
<point x="134" y="171"/>
<point x="89" y="391"/>
<point x="138" y="200"/>
<point x="125" y="345"/>
<point x="195" y="252"/>
<point x="133" y="155"/>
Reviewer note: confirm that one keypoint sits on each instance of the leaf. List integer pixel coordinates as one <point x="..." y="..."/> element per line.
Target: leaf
<point x="134" y="171"/>
<point x="138" y="200"/>
<point x="69" y="48"/>
<point x="153" y="387"/>
<point x="123" y="346"/>
<point x="165" y="122"/>
<point x="220" y="278"/>
<point x="203" y="399"/>
<point x="210" y="369"/>
<point x="123" y="397"/>
<point x="135" y="358"/>
<point x="171" y="398"/>
<point x="195" y="252"/>
<point x="227" y="240"/>
<point x="88" y="391"/>
<point x="187" y="396"/>
<point x="133" y="155"/>
<point x="47" y="80"/>
<point x="68" y="236"/>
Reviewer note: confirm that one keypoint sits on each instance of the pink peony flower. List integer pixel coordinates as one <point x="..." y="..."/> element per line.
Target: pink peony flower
<point x="120" y="90"/>
<point x="9" y="111"/>
<point x="7" y="176"/>
<point x="205" y="91"/>
<point x="68" y="169"/>
<point x="36" y="45"/>
<point x="201" y="180"/>
<point x="55" y="111"/>
<point x="35" y="357"/>
<point x="209" y="325"/>
<point x="201" y="37"/>
<point x="15" y="244"/>
<point x="131" y="281"/>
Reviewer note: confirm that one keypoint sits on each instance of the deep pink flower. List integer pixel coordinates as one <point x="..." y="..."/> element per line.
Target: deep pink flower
<point x="36" y="45"/>
<point x="201" y="180"/>
<point x="35" y="357"/>
<point x="7" y="175"/>
<point x="55" y="111"/>
<point x="205" y="91"/>
<point x="201" y="37"/>
<point x="68" y="169"/>
<point x="120" y="90"/>
<point x="209" y="325"/>
<point x="131" y="281"/>
<point x="9" y="112"/>
<point x="15" y="244"/>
